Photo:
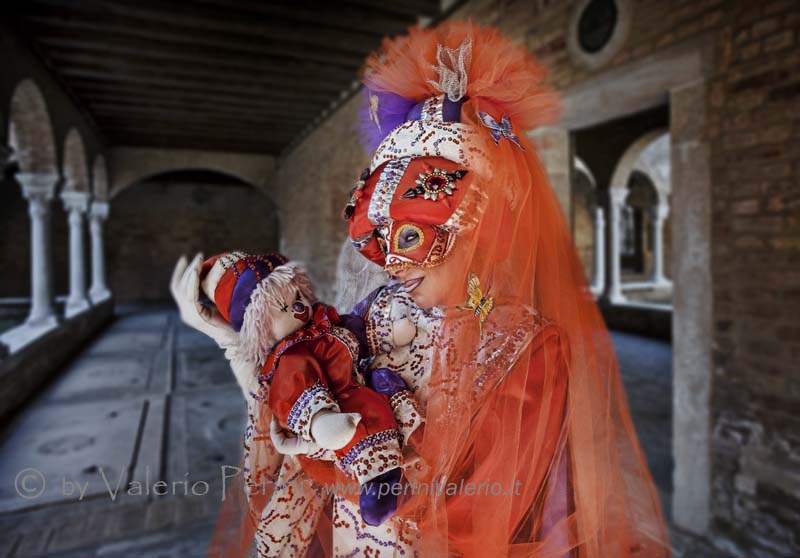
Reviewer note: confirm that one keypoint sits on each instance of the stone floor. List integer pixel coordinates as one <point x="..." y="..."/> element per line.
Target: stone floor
<point x="149" y="401"/>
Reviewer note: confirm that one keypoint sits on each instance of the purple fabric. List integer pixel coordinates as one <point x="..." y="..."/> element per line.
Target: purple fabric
<point x="415" y="113"/>
<point x="451" y="110"/>
<point x="355" y="324"/>
<point x="376" y="501"/>
<point x="362" y="308"/>
<point x="385" y="381"/>
<point x="241" y="292"/>
<point x="557" y="506"/>
<point x="392" y="111"/>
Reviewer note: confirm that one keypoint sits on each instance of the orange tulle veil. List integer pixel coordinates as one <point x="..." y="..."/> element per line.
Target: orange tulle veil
<point x="546" y="432"/>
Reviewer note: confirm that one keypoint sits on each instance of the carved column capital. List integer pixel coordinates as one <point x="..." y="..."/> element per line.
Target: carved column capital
<point x="38" y="186"/>
<point x="75" y="201"/>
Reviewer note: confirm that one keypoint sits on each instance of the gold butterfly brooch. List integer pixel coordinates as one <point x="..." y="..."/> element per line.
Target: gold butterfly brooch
<point x="480" y="304"/>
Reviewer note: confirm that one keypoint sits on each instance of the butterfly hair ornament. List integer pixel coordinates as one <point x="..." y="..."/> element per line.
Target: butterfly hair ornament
<point x="479" y="302"/>
<point x="500" y="130"/>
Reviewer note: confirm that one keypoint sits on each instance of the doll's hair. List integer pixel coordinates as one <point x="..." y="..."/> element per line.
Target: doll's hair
<point x="256" y="337"/>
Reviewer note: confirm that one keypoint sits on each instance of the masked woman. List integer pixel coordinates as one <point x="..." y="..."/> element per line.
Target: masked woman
<point x="527" y="447"/>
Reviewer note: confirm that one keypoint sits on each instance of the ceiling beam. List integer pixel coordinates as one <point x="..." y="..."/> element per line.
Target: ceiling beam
<point x="253" y="90"/>
<point x="200" y="72"/>
<point x="169" y="36"/>
<point x="146" y="50"/>
<point x="209" y="18"/>
<point x="134" y="92"/>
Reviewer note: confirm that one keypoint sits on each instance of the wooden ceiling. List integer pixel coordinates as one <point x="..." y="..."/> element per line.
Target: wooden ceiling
<point x="227" y="75"/>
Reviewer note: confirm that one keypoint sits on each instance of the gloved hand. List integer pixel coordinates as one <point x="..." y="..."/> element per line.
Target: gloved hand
<point x="185" y="289"/>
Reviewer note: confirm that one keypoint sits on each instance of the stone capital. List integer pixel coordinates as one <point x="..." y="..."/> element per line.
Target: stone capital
<point x="75" y="201"/>
<point x="661" y="212"/>
<point x="599" y="215"/>
<point x="99" y="210"/>
<point x="618" y="195"/>
<point x="37" y="186"/>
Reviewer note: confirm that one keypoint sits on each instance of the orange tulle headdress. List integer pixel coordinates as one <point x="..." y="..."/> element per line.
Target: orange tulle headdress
<point x="528" y="447"/>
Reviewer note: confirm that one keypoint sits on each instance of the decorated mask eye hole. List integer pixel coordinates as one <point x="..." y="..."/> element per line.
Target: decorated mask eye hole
<point x="381" y="241"/>
<point x="407" y="238"/>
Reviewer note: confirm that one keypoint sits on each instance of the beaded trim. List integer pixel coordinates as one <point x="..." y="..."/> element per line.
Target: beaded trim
<point x="373" y="439"/>
<point x="416" y="138"/>
<point x="361" y="242"/>
<point x="396" y="241"/>
<point x="432" y="109"/>
<point x="406" y="413"/>
<point x="310" y="402"/>
<point x="388" y="181"/>
<point x="440" y="250"/>
<point x="375" y="454"/>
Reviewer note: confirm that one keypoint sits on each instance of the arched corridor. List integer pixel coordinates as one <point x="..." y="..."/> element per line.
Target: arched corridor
<point x="195" y="210"/>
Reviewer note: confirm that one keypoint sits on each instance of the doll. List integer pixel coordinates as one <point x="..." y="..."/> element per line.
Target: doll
<point x="310" y="359"/>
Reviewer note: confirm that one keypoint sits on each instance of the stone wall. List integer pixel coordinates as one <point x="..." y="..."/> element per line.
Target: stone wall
<point x="752" y="113"/>
<point x="153" y="223"/>
<point x="312" y="186"/>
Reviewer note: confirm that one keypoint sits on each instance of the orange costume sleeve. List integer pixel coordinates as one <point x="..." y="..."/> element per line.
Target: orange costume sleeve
<point x="299" y="390"/>
<point x="519" y="472"/>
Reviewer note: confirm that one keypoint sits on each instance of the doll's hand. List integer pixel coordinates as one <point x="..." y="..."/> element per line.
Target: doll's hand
<point x="185" y="289"/>
<point x="403" y="332"/>
<point x="332" y="430"/>
<point x="287" y="443"/>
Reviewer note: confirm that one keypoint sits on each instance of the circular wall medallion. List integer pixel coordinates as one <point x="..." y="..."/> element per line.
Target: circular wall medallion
<point x="597" y="30"/>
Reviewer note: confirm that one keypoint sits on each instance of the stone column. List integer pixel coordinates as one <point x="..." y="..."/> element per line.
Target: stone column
<point x="616" y="200"/>
<point x="660" y="214"/>
<point x="98" y="213"/>
<point x="39" y="189"/>
<point x="76" y="203"/>
<point x="599" y="278"/>
<point x="555" y="151"/>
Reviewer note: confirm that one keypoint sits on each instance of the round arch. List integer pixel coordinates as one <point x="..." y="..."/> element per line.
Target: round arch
<point x="30" y="132"/>
<point x="134" y="165"/>
<point x="76" y="170"/>
<point x="630" y="158"/>
<point x="582" y="168"/>
<point x="654" y="161"/>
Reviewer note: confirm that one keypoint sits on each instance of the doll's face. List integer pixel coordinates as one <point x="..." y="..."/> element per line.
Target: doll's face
<point x="290" y="315"/>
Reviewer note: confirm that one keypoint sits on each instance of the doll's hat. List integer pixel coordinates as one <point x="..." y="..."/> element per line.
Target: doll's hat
<point x="242" y="272"/>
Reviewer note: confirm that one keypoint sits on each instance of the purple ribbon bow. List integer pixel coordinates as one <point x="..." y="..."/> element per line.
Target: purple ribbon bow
<point x="501" y="130"/>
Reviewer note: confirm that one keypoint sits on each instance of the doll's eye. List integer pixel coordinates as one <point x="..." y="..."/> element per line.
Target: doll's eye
<point x="298" y="307"/>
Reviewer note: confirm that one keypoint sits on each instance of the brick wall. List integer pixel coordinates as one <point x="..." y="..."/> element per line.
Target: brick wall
<point x="752" y="126"/>
<point x="312" y="186"/>
<point x="153" y="223"/>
